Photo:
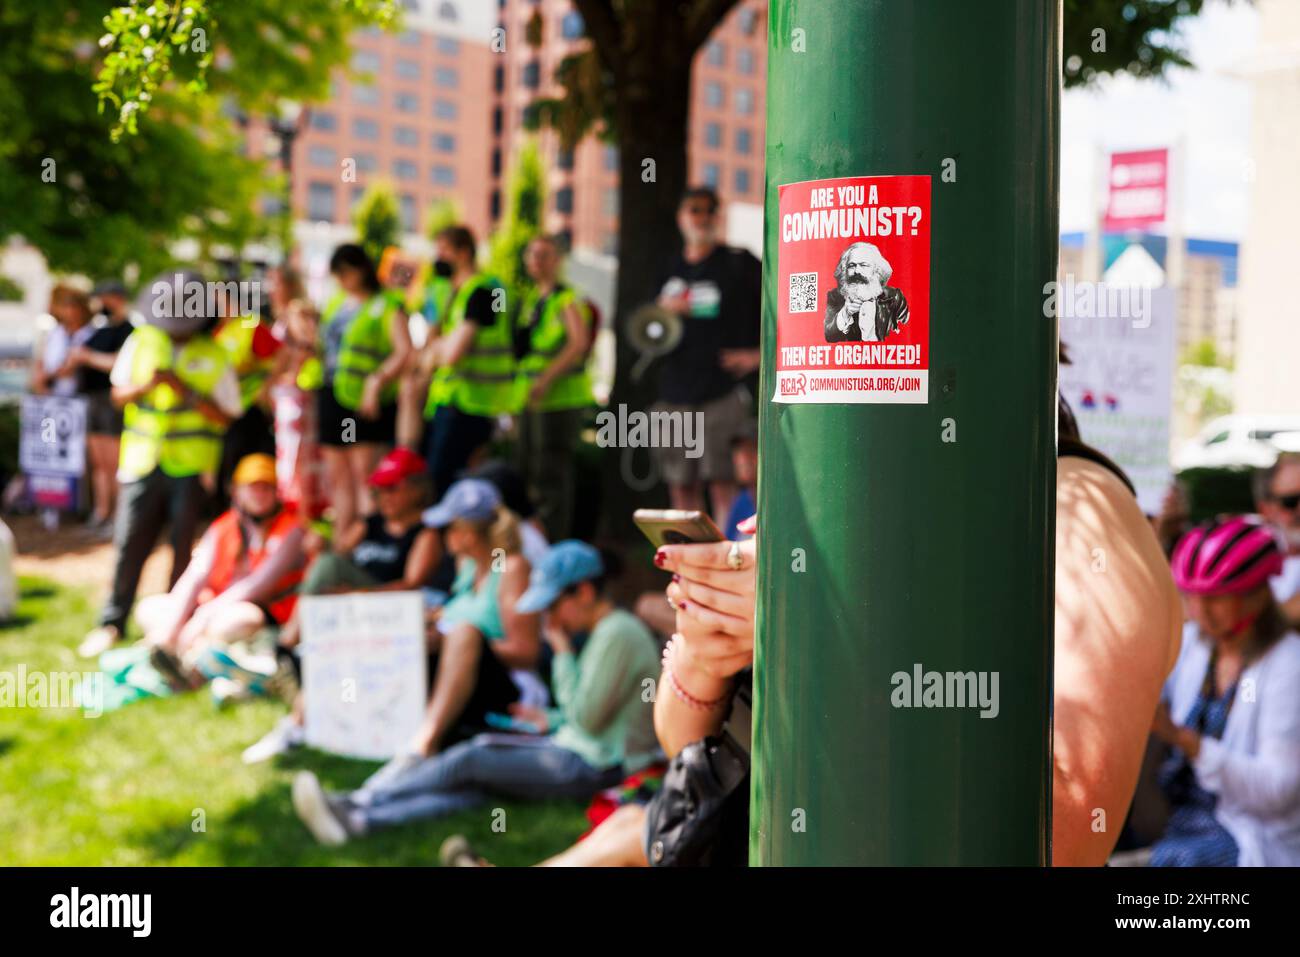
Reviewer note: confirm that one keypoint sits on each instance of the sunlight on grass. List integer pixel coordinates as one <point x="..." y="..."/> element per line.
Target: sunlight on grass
<point x="133" y="786"/>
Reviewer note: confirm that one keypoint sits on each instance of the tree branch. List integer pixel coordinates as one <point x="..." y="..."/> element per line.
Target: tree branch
<point x="703" y="18"/>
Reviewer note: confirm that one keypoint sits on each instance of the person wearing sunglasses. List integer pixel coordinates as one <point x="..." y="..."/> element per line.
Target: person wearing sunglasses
<point x="1282" y="509"/>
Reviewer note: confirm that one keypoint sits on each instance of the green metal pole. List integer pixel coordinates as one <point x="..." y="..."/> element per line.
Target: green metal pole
<point x="905" y="539"/>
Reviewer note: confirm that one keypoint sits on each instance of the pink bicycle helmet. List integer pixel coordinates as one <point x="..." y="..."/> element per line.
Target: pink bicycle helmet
<point x="1226" y="556"/>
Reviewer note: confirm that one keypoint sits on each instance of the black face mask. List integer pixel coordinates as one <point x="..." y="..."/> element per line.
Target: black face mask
<point x="258" y="519"/>
<point x="442" y="268"/>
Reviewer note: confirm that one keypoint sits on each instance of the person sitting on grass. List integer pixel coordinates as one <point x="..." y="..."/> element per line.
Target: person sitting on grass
<point x="603" y="724"/>
<point x="242" y="578"/>
<point x="387" y="551"/>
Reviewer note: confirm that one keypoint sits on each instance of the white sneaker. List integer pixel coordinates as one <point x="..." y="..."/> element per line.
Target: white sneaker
<point x="285" y="736"/>
<point x="312" y="807"/>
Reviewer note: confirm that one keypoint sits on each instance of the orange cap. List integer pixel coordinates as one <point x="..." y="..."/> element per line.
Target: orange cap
<point x="258" y="467"/>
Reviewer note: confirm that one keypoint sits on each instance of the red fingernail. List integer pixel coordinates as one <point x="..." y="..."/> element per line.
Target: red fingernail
<point x="676" y="577"/>
<point x="681" y="605"/>
<point x="660" y="558"/>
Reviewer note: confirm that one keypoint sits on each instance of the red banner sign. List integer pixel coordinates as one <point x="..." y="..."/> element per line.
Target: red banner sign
<point x="1139" y="188"/>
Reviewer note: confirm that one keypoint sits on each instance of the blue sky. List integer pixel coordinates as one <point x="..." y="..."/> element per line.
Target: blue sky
<point x="1209" y="108"/>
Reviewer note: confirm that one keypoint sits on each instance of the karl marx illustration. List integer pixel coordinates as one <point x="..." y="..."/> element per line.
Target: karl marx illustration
<point x="862" y="308"/>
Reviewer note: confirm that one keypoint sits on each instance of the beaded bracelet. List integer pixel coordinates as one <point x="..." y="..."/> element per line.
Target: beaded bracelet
<point x="682" y="694"/>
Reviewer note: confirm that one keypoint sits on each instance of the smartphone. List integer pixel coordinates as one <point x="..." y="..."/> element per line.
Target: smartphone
<point x="671" y="526"/>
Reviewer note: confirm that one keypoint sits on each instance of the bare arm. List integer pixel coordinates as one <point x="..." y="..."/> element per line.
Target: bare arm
<point x="449" y="349"/>
<point x="521" y="644"/>
<point x="1118" y="620"/>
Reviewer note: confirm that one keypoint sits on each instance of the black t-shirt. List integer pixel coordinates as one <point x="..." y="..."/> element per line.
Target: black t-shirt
<point x="108" y="338"/>
<point x="725" y="294"/>
<point x="382" y="555"/>
<point x="526" y="322"/>
<point x="478" y="308"/>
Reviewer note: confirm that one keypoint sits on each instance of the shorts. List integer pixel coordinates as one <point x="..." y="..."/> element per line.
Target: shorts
<point x="102" y="416"/>
<point x="332" y="421"/>
<point x="713" y="429"/>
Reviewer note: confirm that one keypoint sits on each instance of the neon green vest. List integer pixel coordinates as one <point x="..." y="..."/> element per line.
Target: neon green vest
<point x="161" y="431"/>
<point x="572" y="390"/>
<point x="483" y="381"/>
<point x="236" y="337"/>
<point x="367" y="342"/>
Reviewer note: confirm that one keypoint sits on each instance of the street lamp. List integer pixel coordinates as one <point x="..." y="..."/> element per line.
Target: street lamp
<point x="286" y="123"/>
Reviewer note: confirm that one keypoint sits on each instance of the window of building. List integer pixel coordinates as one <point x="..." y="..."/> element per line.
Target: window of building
<point x="408" y="69"/>
<point x="745" y="60"/>
<point x="404" y="169"/>
<point x="531" y="75"/>
<point x="564" y="199"/>
<point x="744" y="141"/>
<point x="444" y="109"/>
<point x="444" y="142"/>
<point x="748" y="21"/>
<point x="366" y="95"/>
<point x="572" y="27"/>
<point x="366" y="162"/>
<point x="406" y="135"/>
<point x="320" y="201"/>
<point x="713" y="94"/>
<point x="611" y="158"/>
<point x="447" y="11"/>
<point x="406" y="102"/>
<point x="710" y="174"/>
<point x="443" y="175"/>
<point x="446" y="76"/>
<point x="741" y="180"/>
<point x="744" y="101"/>
<point x="448" y="46"/>
<point x="321" y="156"/>
<point x="407" y="204"/>
<point x="410" y="38"/>
<point x="498" y="120"/>
<point x="366" y="61"/>
<point x="494" y="204"/>
<point x="713" y="134"/>
<point x="364" y="129"/>
<point x="564" y="159"/>
<point x="496" y="162"/>
<point x="499" y="79"/>
<point x="324" y="121"/>
<point x="716" y="53"/>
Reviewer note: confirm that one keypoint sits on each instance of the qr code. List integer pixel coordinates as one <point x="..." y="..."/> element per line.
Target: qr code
<point x="803" y="292"/>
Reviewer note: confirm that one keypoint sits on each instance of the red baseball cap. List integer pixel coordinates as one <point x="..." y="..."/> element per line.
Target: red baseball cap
<point x="397" y="466"/>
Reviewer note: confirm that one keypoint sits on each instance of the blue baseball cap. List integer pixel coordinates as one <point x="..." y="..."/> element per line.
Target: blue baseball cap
<point x="472" y="499"/>
<point x="566" y="564"/>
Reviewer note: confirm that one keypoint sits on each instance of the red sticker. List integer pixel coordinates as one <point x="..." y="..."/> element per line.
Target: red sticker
<point x="853" y="291"/>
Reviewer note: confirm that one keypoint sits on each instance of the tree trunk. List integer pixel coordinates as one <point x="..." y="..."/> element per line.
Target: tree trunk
<point x="652" y="125"/>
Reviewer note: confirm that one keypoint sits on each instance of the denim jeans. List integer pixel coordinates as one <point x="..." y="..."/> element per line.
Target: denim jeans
<point x="143" y="508"/>
<point x="472" y="772"/>
<point x="451" y="439"/>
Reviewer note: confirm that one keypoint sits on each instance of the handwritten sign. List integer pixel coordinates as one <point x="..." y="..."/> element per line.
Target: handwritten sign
<point x="363" y="670"/>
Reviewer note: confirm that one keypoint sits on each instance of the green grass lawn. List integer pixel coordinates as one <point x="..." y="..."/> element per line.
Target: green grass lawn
<point x="126" y="788"/>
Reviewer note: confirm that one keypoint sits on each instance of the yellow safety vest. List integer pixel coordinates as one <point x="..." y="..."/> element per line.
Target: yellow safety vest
<point x="160" y="430"/>
<point x="572" y="390"/>
<point x="483" y="381"/>
<point x="367" y="342"/>
<point x="236" y="337"/>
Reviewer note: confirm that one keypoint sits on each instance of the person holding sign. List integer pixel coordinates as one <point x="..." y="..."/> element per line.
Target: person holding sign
<point x="603" y="723"/>
<point x="179" y="393"/>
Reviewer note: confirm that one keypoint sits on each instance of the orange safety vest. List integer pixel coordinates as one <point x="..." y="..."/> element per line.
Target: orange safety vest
<point x="232" y="547"/>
